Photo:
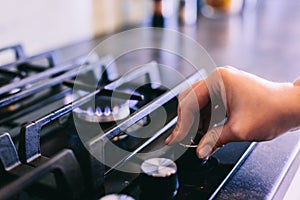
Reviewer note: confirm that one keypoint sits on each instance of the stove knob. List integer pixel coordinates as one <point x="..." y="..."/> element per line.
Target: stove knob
<point x="116" y="197"/>
<point x="159" y="179"/>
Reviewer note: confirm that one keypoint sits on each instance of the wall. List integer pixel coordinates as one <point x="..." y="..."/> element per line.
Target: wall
<point x="110" y="15"/>
<point x="42" y="25"/>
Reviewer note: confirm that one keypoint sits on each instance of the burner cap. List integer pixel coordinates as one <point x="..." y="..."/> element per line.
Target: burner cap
<point x="116" y="197"/>
<point x="159" y="167"/>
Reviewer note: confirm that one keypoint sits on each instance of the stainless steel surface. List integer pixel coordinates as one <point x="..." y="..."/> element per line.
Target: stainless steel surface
<point x="289" y="186"/>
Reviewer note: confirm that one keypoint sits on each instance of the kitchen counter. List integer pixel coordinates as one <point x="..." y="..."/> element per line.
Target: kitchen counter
<point x="262" y="173"/>
<point x="264" y="41"/>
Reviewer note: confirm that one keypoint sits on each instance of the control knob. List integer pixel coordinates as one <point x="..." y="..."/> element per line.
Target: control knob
<point x="159" y="179"/>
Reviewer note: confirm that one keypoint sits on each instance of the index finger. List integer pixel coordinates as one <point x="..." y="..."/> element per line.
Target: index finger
<point x="191" y="101"/>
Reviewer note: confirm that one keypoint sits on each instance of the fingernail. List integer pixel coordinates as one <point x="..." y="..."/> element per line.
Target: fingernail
<point x="170" y="138"/>
<point x="204" y="152"/>
<point x="167" y="141"/>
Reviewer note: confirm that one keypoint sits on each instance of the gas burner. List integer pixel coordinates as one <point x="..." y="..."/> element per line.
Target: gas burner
<point x="106" y="109"/>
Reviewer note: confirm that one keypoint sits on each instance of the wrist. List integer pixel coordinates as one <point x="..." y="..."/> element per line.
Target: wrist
<point x="292" y="104"/>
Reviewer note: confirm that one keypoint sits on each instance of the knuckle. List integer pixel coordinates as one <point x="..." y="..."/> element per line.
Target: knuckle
<point x="228" y="67"/>
<point x="223" y="70"/>
<point x="238" y="132"/>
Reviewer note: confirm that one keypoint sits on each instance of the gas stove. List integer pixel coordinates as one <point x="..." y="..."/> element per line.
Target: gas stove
<point x="68" y="133"/>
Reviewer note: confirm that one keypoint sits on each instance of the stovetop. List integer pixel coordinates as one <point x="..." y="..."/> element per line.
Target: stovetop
<point x="61" y="139"/>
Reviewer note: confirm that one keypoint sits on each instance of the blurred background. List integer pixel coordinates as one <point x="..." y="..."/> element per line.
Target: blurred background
<point x="260" y="36"/>
<point x="47" y="24"/>
<point x="41" y="25"/>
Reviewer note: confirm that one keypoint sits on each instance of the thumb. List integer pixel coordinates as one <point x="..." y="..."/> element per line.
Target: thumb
<point x="212" y="141"/>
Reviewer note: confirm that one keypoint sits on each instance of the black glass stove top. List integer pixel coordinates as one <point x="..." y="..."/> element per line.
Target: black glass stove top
<point x="197" y="179"/>
<point x="50" y="150"/>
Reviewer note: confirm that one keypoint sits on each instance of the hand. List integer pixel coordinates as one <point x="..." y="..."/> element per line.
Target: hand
<point x="255" y="109"/>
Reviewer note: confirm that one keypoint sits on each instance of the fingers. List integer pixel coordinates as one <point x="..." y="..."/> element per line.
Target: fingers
<point x="187" y="108"/>
<point x="185" y="121"/>
<point x="212" y="141"/>
<point x="190" y="103"/>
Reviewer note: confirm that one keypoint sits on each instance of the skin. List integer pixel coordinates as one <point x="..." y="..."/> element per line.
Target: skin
<point x="256" y="109"/>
